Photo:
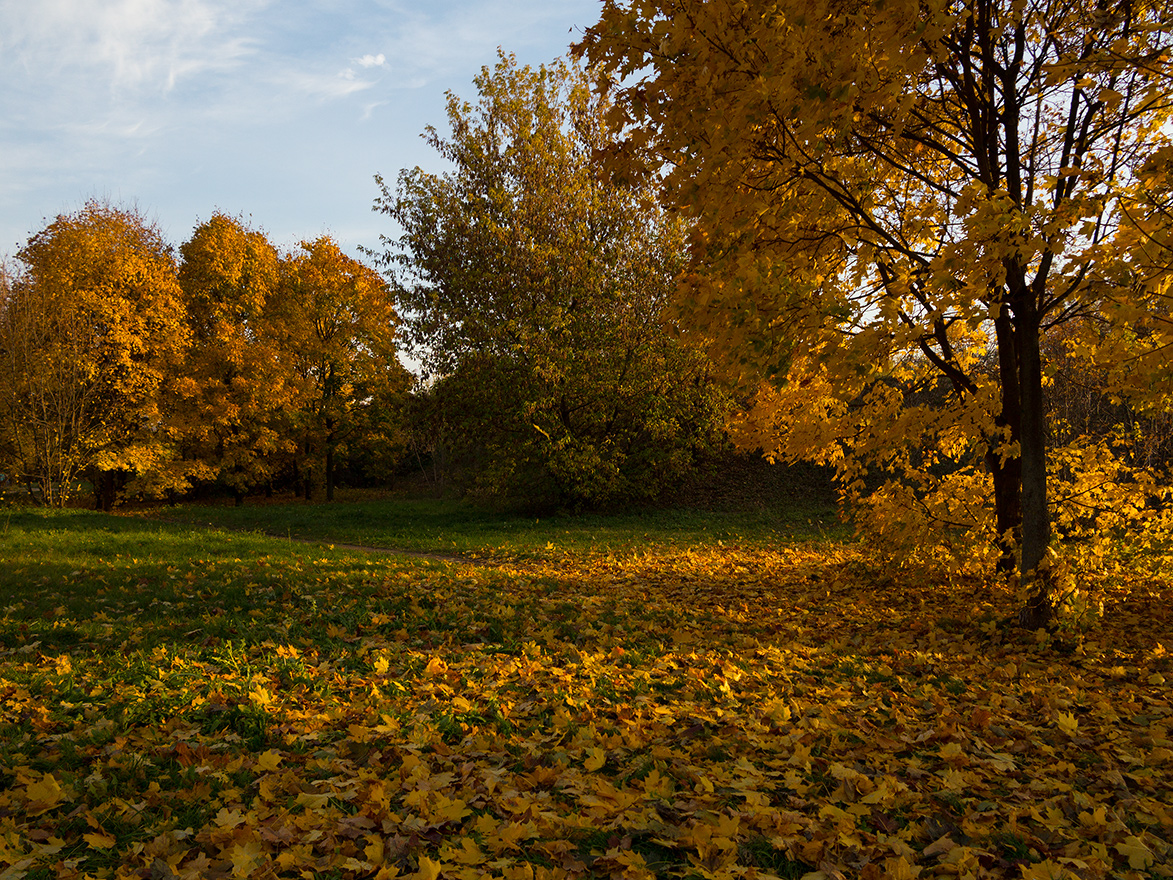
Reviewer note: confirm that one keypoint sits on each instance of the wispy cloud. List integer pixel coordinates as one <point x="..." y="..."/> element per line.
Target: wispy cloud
<point x="129" y="44"/>
<point x="191" y="104"/>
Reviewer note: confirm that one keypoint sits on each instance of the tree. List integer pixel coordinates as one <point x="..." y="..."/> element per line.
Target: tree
<point x="534" y="289"/>
<point x="867" y="218"/>
<point x="91" y="330"/>
<point x="237" y="389"/>
<point x="336" y="322"/>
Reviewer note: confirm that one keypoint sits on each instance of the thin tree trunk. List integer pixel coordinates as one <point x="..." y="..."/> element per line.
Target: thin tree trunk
<point x="329" y="471"/>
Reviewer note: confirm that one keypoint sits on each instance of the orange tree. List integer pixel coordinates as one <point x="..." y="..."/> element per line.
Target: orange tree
<point x="892" y="195"/>
<point x="235" y="389"/>
<point x="335" y="326"/>
<point x="92" y="330"/>
<point x="534" y="289"/>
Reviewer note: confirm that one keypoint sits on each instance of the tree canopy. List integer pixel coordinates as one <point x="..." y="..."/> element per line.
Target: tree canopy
<point x="91" y="330"/>
<point x="924" y="207"/>
<point x="534" y="288"/>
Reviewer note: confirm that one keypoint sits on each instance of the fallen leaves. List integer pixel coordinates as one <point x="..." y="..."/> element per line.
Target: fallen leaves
<point x="716" y="715"/>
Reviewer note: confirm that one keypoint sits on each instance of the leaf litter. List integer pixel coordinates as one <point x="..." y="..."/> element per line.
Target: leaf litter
<point x="713" y="714"/>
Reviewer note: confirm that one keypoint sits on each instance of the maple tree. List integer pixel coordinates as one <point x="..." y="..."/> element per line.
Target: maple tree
<point x="236" y="387"/>
<point x="336" y="324"/>
<point x="533" y="290"/>
<point x="91" y="330"/>
<point x="923" y="208"/>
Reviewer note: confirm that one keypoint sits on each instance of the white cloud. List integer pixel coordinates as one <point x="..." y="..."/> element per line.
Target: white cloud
<point x="324" y="86"/>
<point x="371" y="60"/>
<point x="128" y="44"/>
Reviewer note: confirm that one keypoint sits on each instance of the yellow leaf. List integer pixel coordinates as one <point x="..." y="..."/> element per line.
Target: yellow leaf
<point x="99" y="840"/>
<point x="268" y="761"/>
<point x="1045" y="870"/>
<point x="451" y="810"/>
<point x="1139" y="856"/>
<point x="312" y="801"/>
<point x="469" y="853"/>
<point x="382" y="666"/>
<point x="429" y="870"/>
<point x="44" y="795"/>
<point x="899" y="869"/>
<point x="598" y="757"/>
<point x="374" y="850"/>
<point x="1067" y="723"/>
<point x="246" y="857"/>
<point x="261" y="696"/>
<point x="435" y="667"/>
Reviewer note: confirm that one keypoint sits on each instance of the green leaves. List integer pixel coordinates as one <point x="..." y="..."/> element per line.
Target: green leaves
<point x="533" y="288"/>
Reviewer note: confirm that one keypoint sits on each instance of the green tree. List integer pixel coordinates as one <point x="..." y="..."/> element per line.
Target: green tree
<point x="336" y="324"/>
<point x="237" y="388"/>
<point x="92" y="330"/>
<point x="885" y="193"/>
<point x="534" y="289"/>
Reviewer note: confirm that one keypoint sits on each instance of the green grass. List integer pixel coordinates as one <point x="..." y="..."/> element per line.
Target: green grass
<point x="174" y="582"/>
<point x="458" y="528"/>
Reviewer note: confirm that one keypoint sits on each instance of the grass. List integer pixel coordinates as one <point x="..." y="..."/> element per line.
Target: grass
<point x="449" y="526"/>
<point x="657" y="696"/>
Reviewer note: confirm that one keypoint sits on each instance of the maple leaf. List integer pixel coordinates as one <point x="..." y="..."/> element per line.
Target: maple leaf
<point x="246" y="857"/>
<point x="44" y="794"/>
<point x="428" y="869"/>
<point x="99" y="840"/>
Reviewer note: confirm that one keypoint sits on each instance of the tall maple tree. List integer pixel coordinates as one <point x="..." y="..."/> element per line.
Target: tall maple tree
<point x="534" y="287"/>
<point x="893" y="195"/>
<point x="336" y="324"/>
<point x="236" y="388"/>
<point x="91" y="331"/>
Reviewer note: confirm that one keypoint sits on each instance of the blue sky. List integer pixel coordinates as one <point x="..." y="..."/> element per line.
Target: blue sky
<point x="279" y="110"/>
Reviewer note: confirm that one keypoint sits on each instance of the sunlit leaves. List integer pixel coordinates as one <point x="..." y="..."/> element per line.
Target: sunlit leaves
<point x="906" y="223"/>
<point x="233" y="390"/>
<point x="720" y="713"/>
<point x="91" y="330"/>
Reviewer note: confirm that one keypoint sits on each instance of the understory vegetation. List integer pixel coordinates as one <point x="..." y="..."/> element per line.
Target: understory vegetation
<point x="683" y="699"/>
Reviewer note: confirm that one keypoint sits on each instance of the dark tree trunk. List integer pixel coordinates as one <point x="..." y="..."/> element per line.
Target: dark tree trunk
<point x="329" y="472"/>
<point x="1006" y="471"/>
<point x="330" y="441"/>
<point x="308" y="484"/>
<point x="104" y="491"/>
<point x="1036" y="521"/>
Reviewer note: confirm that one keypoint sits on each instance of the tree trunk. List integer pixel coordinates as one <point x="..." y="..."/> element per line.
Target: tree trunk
<point x="1006" y="471"/>
<point x="329" y="472"/>
<point x="104" y="491"/>
<point x="1036" y="522"/>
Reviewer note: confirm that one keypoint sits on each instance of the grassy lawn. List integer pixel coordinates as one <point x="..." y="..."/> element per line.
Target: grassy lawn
<point x="455" y="527"/>
<point x="677" y="698"/>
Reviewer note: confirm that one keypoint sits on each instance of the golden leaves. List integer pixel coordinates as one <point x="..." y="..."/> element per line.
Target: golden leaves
<point x="822" y="721"/>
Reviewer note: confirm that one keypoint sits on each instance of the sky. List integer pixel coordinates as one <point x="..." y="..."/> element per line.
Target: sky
<point x="279" y="111"/>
